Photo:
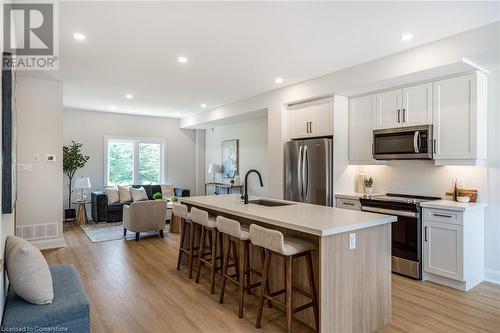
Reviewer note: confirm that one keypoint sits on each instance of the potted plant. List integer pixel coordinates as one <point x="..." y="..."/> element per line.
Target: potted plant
<point x="157" y="196"/>
<point x="368" y="181"/>
<point x="73" y="159"/>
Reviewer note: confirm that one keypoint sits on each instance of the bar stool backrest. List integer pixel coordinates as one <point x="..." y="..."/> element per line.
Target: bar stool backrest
<point x="228" y="226"/>
<point x="199" y="216"/>
<point x="267" y="238"/>
<point x="179" y="210"/>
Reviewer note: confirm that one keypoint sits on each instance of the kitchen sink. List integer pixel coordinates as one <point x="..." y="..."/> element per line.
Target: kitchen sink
<point x="269" y="203"/>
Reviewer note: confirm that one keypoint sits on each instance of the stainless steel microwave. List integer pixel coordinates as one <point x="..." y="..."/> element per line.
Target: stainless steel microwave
<point x="403" y="143"/>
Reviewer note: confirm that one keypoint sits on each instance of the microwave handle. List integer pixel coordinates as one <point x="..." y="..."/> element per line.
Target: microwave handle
<point x="416" y="142"/>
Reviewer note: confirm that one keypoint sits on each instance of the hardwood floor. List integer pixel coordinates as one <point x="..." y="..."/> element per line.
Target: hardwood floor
<point x="134" y="286"/>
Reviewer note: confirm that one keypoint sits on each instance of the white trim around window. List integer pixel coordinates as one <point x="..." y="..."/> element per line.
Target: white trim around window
<point x="136" y="141"/>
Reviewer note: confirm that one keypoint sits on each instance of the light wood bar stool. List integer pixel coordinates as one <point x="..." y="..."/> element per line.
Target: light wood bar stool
<point x="187" y="229"/>
<point x="208" y="231"/>
<point x="290" y="248"/>
<point x="235" y="237"/>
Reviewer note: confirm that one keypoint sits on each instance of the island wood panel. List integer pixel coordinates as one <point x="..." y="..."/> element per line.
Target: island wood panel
<point x="277" y="269"/>
<point x="356" y="284"/>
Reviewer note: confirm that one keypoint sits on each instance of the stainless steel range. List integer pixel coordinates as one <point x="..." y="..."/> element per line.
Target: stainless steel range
<point x="406" y="232"/>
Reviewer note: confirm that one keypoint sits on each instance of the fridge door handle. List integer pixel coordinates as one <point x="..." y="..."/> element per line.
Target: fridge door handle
<point x="299" y="172"/>
<point x="305" y="173"/>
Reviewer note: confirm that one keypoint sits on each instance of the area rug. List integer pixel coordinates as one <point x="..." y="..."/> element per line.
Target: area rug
<point x="103" y="232"/>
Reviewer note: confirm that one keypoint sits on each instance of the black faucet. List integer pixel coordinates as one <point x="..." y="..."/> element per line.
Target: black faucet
<point x="245" y="196"/>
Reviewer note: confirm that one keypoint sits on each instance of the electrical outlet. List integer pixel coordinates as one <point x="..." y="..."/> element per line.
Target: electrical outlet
<point x="352" y="241"/>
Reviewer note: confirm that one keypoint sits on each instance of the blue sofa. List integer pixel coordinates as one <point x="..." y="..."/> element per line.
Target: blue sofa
<point x="69" y="311"/>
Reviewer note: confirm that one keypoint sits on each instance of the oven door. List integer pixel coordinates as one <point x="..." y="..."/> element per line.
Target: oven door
<point x="406" y="241"/>
<point x="403" y="143"/>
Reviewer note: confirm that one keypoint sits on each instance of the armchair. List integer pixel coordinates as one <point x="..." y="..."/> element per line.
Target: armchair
<point x="143" y="216"/>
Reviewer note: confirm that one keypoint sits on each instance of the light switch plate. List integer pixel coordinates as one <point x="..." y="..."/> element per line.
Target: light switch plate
<point x="352" y="241"/>
<point x="36" y="157"/>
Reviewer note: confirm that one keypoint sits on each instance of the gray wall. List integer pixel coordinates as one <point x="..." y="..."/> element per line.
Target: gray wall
<point x="90" y="128"/>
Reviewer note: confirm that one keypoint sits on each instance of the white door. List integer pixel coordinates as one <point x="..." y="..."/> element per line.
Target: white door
<point x="388" y="109"/>
<point x="321" y="121"/>
<point x="417" y="105"/>
<point x="298" y="122"/>
<point x="361" y="128"/>
<point x="454" y="118"/>
<point x="443" y="249"/>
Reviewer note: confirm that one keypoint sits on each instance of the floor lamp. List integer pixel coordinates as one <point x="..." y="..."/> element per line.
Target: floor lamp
<point x="213" y="169"/>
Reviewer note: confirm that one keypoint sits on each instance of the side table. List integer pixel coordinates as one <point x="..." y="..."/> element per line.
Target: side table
<point x="81" y="218"/>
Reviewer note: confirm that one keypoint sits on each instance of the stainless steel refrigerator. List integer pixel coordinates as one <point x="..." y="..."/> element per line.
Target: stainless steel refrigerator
<point x="308" y="171"/>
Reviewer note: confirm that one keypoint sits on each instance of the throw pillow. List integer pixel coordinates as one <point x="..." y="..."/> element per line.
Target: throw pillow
<point x="124" y="193"/>
<point x="28" y="271"/>
<point x="112" y="193"/>
<point x="167" y="191"/>
<point x="138" y="194"/>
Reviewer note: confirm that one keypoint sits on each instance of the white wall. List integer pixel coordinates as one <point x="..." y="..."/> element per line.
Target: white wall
<point x="252" y="136"/>
<point x="479" y="45"/>
<point x="39" y="130"/>
<point x="90" y="128"/>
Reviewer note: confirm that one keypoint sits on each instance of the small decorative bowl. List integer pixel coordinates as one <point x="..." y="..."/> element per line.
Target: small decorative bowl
<point x="463" y="199"/>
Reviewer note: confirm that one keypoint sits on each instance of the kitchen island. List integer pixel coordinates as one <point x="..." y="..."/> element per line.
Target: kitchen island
<point x="352" y="265"/>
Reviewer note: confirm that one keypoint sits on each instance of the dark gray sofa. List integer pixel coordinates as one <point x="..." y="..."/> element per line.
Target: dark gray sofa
<point x="103" y="212"/>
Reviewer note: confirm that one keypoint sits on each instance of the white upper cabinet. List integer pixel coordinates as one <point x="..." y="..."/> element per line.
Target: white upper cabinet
<point x="361" y="119"/>
<point x="311" y="119"/>
<point x="388" y="109"/>
<point x="417" y="105"/>
<point x="410" y="106"/>
<point x="460" y="119"/>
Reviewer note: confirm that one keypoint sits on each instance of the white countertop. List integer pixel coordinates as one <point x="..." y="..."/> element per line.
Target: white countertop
<point x="307" y="218"/>
<point x="452" y="205"/>
<point x="353" y="195"/>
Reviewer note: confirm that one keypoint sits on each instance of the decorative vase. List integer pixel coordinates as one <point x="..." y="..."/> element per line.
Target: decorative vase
<point x="369" y="190"/>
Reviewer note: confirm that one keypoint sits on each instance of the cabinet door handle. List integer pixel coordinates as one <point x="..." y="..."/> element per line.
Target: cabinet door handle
<point x="311" y="126"/>
<point x="434" y="146"/>
<point x="348" y="203"/>
<point x="307" y="127"/>
<point x="425" y="233"/>
<point x="399" y="116"/>
<point x="442" y="215"/>
<point x="404" y="115"/>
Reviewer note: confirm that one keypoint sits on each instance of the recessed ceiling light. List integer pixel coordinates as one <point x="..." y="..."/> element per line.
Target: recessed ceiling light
<point x="203" y="105"/>
<point x="79" y="36"/>
<point x="406" y="37"/>
<point x="129" y="96"/>
<point x="182" y="59"/>
<point x="112" y="107"/>
<point x="278" y="80"/>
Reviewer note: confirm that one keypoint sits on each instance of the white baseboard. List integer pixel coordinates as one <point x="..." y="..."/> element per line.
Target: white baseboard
<point x="491" y="275"/>
<point x="49" y="243"/>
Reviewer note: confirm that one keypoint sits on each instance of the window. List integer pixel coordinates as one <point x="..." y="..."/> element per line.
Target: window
<point x="134" y="161"/>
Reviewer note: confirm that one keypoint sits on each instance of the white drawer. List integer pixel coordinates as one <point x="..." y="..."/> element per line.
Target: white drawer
<point x="352" y="204"/>
<point x="442" y="215"/>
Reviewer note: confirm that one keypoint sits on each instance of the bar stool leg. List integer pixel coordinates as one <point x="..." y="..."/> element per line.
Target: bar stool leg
<point x="181" y="244"/>
<point x="247" y="264"/>
<point x="242" y="260"/>
<point x="288" y="291"/>
<point x="200" y="253"/>
<point x="213" y="241"/>
<point x="312" y="288"/>
<point x="191" y="249"/>
<point x="264" y="286"/>
<point x="225" y="263"/>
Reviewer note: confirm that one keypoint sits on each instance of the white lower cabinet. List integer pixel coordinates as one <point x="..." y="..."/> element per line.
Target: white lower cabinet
<point x="453" y="247"/>
<point x="352" y="204"/>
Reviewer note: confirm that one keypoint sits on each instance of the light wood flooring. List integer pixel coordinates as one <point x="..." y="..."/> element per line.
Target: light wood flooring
<point x="134" y="286"/>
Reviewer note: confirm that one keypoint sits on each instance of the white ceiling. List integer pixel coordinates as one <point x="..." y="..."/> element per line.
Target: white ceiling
<point x="235" y="50"/>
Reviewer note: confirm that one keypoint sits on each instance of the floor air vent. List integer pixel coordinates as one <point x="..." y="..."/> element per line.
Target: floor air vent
<point x="37" y="231"/>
